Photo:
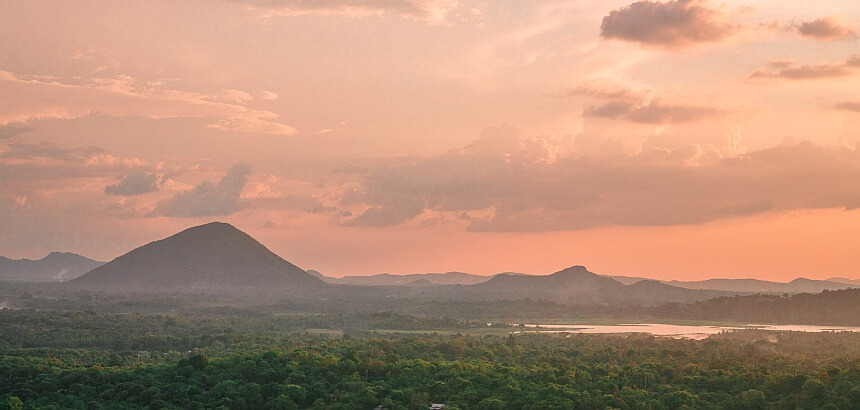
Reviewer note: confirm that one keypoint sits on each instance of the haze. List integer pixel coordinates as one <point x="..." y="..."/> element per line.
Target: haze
<point x="672" y="140"/>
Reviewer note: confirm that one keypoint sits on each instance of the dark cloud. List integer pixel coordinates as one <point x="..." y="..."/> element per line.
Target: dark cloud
<point x="654" y="112"/>
<point x="13" y="130"/>
<point x="134" y="183"/>
<point x="658" y="113"/>
<point x="612" y="109"/>
<point x="208" y="198"/>
<point x="790" y="71"/>
<point x="671" y="24"/>
<point x="826" y="29"/>
<point x="849" y="106"/>
<point x="610" y="92"/>
<point x="390" y="214"/>
<point x="659" y="186"/>
<point x="805" y="72"/>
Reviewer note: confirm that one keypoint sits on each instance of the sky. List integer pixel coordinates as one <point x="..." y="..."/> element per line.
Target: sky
<point x="681" y="139"/>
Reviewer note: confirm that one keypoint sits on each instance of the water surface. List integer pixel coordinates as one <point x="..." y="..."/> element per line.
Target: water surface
<point x="677" y="331"/>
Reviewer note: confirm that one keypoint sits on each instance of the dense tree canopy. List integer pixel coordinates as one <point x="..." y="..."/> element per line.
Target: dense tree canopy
<point x="748" y="369"/>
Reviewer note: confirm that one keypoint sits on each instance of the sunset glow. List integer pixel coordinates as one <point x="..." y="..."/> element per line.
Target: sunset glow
<point x="682" y="139"/>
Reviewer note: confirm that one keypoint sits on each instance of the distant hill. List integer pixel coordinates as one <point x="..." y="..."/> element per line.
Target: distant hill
<point x="799" y="285"/>
<point x="845" y="280"/>
<point x="627" y="280"/>
<point x="316" y="274"/>
<point x="839" y="307"/>
<point x="576" y="285"/>
<point x="415" y="279"/>
<point x="56" y="267"/>
<point x="211" y="257"/>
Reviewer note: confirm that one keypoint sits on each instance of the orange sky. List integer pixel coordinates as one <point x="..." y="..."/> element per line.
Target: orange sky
<point x="403" y="136"/>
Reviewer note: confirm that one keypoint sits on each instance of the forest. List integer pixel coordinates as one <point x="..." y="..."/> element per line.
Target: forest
<point x="240" y="360"/>
<point x="90" y="350"/>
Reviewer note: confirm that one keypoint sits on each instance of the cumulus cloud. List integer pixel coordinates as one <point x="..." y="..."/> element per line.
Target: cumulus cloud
<point x="429" y="11"/>
<point x="208" y="198"/>
<point x="659" y="186"/>
<point x="788" y="70"/>
<point x="673" y="24"/>
<point x="134" y="183"/>
<point x="826" y="29"/>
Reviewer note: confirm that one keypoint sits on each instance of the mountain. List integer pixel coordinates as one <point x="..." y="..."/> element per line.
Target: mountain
<point x="56" y="267"/>
<point x="627" y="280"/>
<point x="576" y="285"/>
<point x="845" y="280"/>
<point x="317" y="274"/>
<point x="211" y="257"/>
<point x="574" y="279"/>
<point x="838" y="307"/>
<point x="799" y="285"/>
<point x="387" y="279"/>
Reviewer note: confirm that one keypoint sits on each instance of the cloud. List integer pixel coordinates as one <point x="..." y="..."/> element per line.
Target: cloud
<point x="659" y="186"/>
<point x="428" y="11"/>
<point x="673" y="24"/>
<point x="788" y="70"/>
<point x="229" y="97"/>
<point x="390" y="214"/>
<point x="608" y="91"/>
<point x="22" y="161"/>
<point x="37" y="97"/>
<point x="20" y="200"/>
<point x="654" y="112"/>
<point x="208" y="198"/>
<point x="268" y="95"/>
<point x="826" y="29"/>
<point x="849" y="106"/>
<point x="621" y="102"/>
<point x="13" y="130"/>
<point x="134" y="183"/>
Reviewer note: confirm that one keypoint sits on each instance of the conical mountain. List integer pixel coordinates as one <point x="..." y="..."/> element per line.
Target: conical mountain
<point x="572" y="285"/>
<point x="575" y="278"/>
<point x="211" y="257"/>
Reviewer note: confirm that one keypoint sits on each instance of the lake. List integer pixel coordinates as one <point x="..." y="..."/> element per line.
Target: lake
<point x="676" y="331"/>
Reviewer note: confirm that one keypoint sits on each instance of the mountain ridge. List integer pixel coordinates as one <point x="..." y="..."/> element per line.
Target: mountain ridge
<point x="578" y="285"/>
<point x="53" y="267"/>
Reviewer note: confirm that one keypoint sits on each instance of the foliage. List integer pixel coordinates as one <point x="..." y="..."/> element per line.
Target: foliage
<point x="750" y="369"/>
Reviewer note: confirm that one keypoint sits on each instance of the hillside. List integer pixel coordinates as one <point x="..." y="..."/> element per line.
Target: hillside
<point x="799" y="285"/>
<point x="211" y="257"/>
<point x="387" y="279"/>
<point x="839" y="307"/>
<point x="845" y="280"/>
<point x="576" y="285"/>
<point x="55" y="267"/>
